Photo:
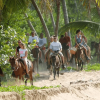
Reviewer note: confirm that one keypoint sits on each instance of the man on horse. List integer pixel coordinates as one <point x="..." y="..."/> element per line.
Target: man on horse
<point x="33" y="37"/>
<point x="65" y="41"/>
<point x="42" y="42"/>
<point x="56" y="46"/>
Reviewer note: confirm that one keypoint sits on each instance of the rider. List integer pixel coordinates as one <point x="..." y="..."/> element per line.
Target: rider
<point x="42" y="42"/>
<point x="84" y="42"/>
<point x="48" y="52"/>
<point x="23" y="55"/>
<point x="17" y="49"/>
<point x="78" y="42"/>
<point x="65" y="41"/>
<point x="33" y="37"/>
<point x="56" y="46"/>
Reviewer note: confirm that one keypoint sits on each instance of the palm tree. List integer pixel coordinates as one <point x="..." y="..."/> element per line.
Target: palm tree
<point x="30" y="24"/>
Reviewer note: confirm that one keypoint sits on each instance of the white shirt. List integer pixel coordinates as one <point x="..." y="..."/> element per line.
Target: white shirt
<point x="55" y="46"/>
<point x="22" y="52"/>
<point x="33" y="38"/>
<point x="42" y="42"/>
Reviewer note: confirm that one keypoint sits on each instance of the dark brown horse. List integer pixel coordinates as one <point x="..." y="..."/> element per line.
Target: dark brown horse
<point x="55" y="64"/>
<point x="1" y="74"/>
<point x="96" y="46"/>
<point x="19" y="69"/>
<point x="35" y="53"/>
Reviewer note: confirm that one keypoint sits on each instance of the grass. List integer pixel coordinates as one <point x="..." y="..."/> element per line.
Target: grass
<point x="23" y="87"/>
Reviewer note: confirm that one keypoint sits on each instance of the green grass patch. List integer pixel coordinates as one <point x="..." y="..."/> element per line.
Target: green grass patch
<point x="23" y="87"/>
<point x="92" y="67"/>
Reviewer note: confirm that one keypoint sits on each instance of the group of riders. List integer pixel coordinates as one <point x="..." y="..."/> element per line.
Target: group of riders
<point x="64" y="43"/>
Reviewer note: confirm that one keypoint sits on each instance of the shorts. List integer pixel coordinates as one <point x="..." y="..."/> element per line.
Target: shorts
<point x="59" y="53"/>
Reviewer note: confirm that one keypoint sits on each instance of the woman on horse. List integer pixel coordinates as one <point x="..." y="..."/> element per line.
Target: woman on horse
<point x="23" y="55"/>
<point x="78" y="42"/>
<point x="17" y="49"/>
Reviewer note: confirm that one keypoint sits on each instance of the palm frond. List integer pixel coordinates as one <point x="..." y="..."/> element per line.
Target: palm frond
<point x="90" y="26"/>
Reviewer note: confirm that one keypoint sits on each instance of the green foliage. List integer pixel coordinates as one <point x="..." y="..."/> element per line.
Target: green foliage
<point x="87" y="25"/>
<point x="92" y="67"/>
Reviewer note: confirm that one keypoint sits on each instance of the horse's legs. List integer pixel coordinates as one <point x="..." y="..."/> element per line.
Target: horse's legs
<point x="37" y="66"/>
<point x="26" y="82"/>
<point x="54" y="71"/>
<point x="31" y="78"/>
<point x="58" y="72"/>
<point x="0" y="81"/>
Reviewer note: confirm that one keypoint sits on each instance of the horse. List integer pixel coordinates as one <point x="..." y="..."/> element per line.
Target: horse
<point x="1" y="74"/>
<point x="19" y="69"/>
<point x="97" y="49"/>
<point x="35" y="52"/>
<point x="55" y="63"/>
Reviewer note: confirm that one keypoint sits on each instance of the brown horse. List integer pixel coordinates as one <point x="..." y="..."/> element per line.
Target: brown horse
<point x="35" y="53"/>
<point x="96" y="46"/>
<point x="1" y="74"/>
<point x="55" y="63"/>
<point x="19" y="69"/>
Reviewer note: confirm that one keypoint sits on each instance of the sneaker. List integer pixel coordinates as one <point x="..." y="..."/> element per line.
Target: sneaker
<point x="63" y="66"/>
<point x="87" y="58"/>
<point x="40" y="61"/>
<point x="26" y="76"/>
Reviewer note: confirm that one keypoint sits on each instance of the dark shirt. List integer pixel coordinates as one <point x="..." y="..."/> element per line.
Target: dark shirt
<point x="18" y="48"/>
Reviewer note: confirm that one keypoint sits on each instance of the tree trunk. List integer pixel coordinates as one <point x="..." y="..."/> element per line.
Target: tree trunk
<point x="42" y="20"/>
<point x="52" y="19"/>
<point x="30" y="24"/>
<point x="58" y="16"/>
<point x="66" y="19"/>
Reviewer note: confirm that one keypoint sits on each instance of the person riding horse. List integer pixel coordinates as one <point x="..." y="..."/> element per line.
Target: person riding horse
<point x="56" y="46"/>
<point x="79" y="43"/>
<point x="42" y="43"/>
<point x="48" y="52"/>
<point x="65" y="41"/>
<point x="31" y="38"/>
<point x="23" y="56"/>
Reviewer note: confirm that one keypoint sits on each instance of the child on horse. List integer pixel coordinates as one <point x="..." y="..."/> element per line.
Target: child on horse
<point x="23" y="55"/>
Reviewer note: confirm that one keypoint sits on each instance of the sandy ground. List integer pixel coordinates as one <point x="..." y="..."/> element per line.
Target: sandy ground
<point x="74" y="86"/>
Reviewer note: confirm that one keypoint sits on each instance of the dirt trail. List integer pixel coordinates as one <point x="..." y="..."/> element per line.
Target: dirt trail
<point x="74" y="86"/>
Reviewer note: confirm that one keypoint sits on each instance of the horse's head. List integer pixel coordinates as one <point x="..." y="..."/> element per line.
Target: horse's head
<point x="35" y="52"/>
<point x="79" y="52"/>
<point x="12" y="61"/>
<point x="55" y="59"/>
<point x="93" y="44"/>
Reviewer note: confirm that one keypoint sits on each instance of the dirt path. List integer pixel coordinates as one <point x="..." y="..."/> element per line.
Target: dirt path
<point x="74" y="86"/>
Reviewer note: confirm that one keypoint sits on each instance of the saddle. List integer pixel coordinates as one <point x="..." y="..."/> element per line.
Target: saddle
<point x="28" y="63"/>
